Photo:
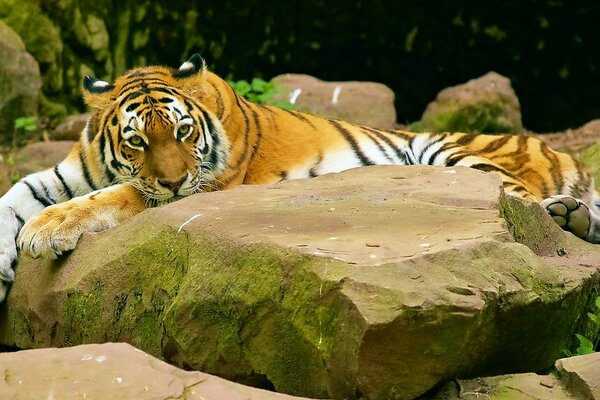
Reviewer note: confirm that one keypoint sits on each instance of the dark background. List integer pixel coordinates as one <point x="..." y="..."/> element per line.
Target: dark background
<point x="548" y="48"/>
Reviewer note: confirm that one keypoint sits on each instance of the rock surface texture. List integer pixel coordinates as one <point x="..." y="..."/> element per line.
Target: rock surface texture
<point x="111" y="371"/>
<point x="574" y="378"/>
<point x="487" y="104"/>
<point x="20" y="80"/>
<point x="29" y="159"/>
<point x="581" y="375"/>
<point x="365" y="103"/>
<point x="374" y="283"/>
<point x="70" y="128"/>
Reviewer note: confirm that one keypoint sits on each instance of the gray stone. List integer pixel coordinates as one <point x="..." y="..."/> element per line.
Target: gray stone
<point x="70" y="128"/>
<point x="112" y="371"/>
<point x="581" y="375"/>
<point x="365" y="103"/>
<point x="379" y="282"/>
<point x="29" y="159"/>
<point x="487" y="104"/>
<point x="20" y="80"/>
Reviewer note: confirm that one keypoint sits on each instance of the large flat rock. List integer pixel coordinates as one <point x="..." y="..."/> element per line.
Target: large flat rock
<point x="112" y="371"/>
<point x="380" y="282"/>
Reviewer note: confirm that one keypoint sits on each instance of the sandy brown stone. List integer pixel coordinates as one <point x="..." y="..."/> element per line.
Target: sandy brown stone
<point x="365" y="103"/>
<point x="378" y="282"/>
<point x="111" y="371"/>
<point x="581" y="375"/>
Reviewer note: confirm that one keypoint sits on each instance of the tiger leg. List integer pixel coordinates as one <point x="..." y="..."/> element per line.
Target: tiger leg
<point x="24" y="200"/>
<point x="575" y="216"/>
<point x="57" y="228"/>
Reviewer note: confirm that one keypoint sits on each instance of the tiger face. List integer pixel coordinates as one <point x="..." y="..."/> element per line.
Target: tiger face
<point x="155" y="133"/>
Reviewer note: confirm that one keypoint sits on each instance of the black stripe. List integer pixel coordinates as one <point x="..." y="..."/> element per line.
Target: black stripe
<point x="555" y="170"/>
<point x="85" y="170"/>
<point x="144" y="80"/>
<point x="435" y="154"/>
<point x="18" y="217"/>
<point x="428" y="146"/>
<point x="399" y="153"/>
<point x="466" y="139"/>
<point x="496" y="144"/>
<point x="246" y="133"/>
<point x="47" y="193"/>
<point x="111" y="146"/>
<point x="91" y="128"/>
<point x="242" y="158"/>
<point x="256" y="145"/>
<point x="132" y="106"/>
<point x="492" y="168"/>
<point x="220" y="107"/>
<point x="313" y="171"/>
<point x="68" y="190"/>
<point x="378" y="144"/>
<point x="37" y="196"/>
<point x="348" y="136"/>
<point x="402" y="134"/>
<point x="455" y="158"/>
<point x="300" y="116"/>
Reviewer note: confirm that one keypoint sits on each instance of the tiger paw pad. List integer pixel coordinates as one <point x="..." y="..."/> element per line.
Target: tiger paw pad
<point x="569" y="213"/>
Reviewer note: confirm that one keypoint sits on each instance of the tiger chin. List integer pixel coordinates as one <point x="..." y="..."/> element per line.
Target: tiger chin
<point x="158" y="134"/>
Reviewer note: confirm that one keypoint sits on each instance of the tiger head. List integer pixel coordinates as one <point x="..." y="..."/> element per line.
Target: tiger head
<point x="151" y="129"/>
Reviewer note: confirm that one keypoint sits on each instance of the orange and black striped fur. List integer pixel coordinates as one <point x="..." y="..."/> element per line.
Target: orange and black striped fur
<point x="159" y="133"/>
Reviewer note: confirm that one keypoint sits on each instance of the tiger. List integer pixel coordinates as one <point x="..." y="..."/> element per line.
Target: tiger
<point x="158" y="134"/>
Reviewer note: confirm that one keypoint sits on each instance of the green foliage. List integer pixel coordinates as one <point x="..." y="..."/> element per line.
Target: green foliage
<point x="260" y="91"/>
<point x="23" y="128"/>
<point x="586" y="346"/>
<point x="26" y="123"/>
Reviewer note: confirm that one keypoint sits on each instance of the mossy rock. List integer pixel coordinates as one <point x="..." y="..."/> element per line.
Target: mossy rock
<point x="487" y="105"/>
<point x="374" y="283"/>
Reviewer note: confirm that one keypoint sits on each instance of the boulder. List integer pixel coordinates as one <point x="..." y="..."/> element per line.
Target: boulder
<point x="581" y="375"/>
<point x="112" y="371"/>
<point x="364" y="103"/>
<point x="573" y="378"/>
<point x="70" y="128"/>
<point x="487" y="104"/>
<point x="528" y="386"/>
<point x="20" y="82"/>
<point x="573" y="140"/>
<point x="375" y="283"/>
<point x="33" y="157"/>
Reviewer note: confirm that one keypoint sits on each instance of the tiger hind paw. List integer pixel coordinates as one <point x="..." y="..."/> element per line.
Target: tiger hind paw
<point x="575" y="216"/>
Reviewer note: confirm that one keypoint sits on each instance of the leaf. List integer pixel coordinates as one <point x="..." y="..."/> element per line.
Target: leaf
<point x="585" y="345"/>
<point x="593" y="317"/>
<point x="260" y="85"/>
<point x="598" y="302"/>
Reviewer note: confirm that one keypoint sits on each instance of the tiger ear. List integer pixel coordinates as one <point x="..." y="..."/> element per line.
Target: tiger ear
<point x="96" y="93"/>
<point x="195" y="65"/>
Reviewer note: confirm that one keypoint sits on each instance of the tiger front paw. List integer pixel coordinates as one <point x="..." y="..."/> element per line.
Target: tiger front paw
<point x="569" y="213"/>
<point x="53" y="232"/>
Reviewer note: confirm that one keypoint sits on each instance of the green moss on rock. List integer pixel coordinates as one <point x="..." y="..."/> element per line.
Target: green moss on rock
<point x="591" y="158"/>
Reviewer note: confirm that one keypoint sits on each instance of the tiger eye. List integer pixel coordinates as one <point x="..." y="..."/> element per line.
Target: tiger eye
<point x="135" y="141"/>
<point x="183" y="131"/>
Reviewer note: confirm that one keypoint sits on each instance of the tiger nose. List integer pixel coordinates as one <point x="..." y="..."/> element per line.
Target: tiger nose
<point x="172" y="185"/>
